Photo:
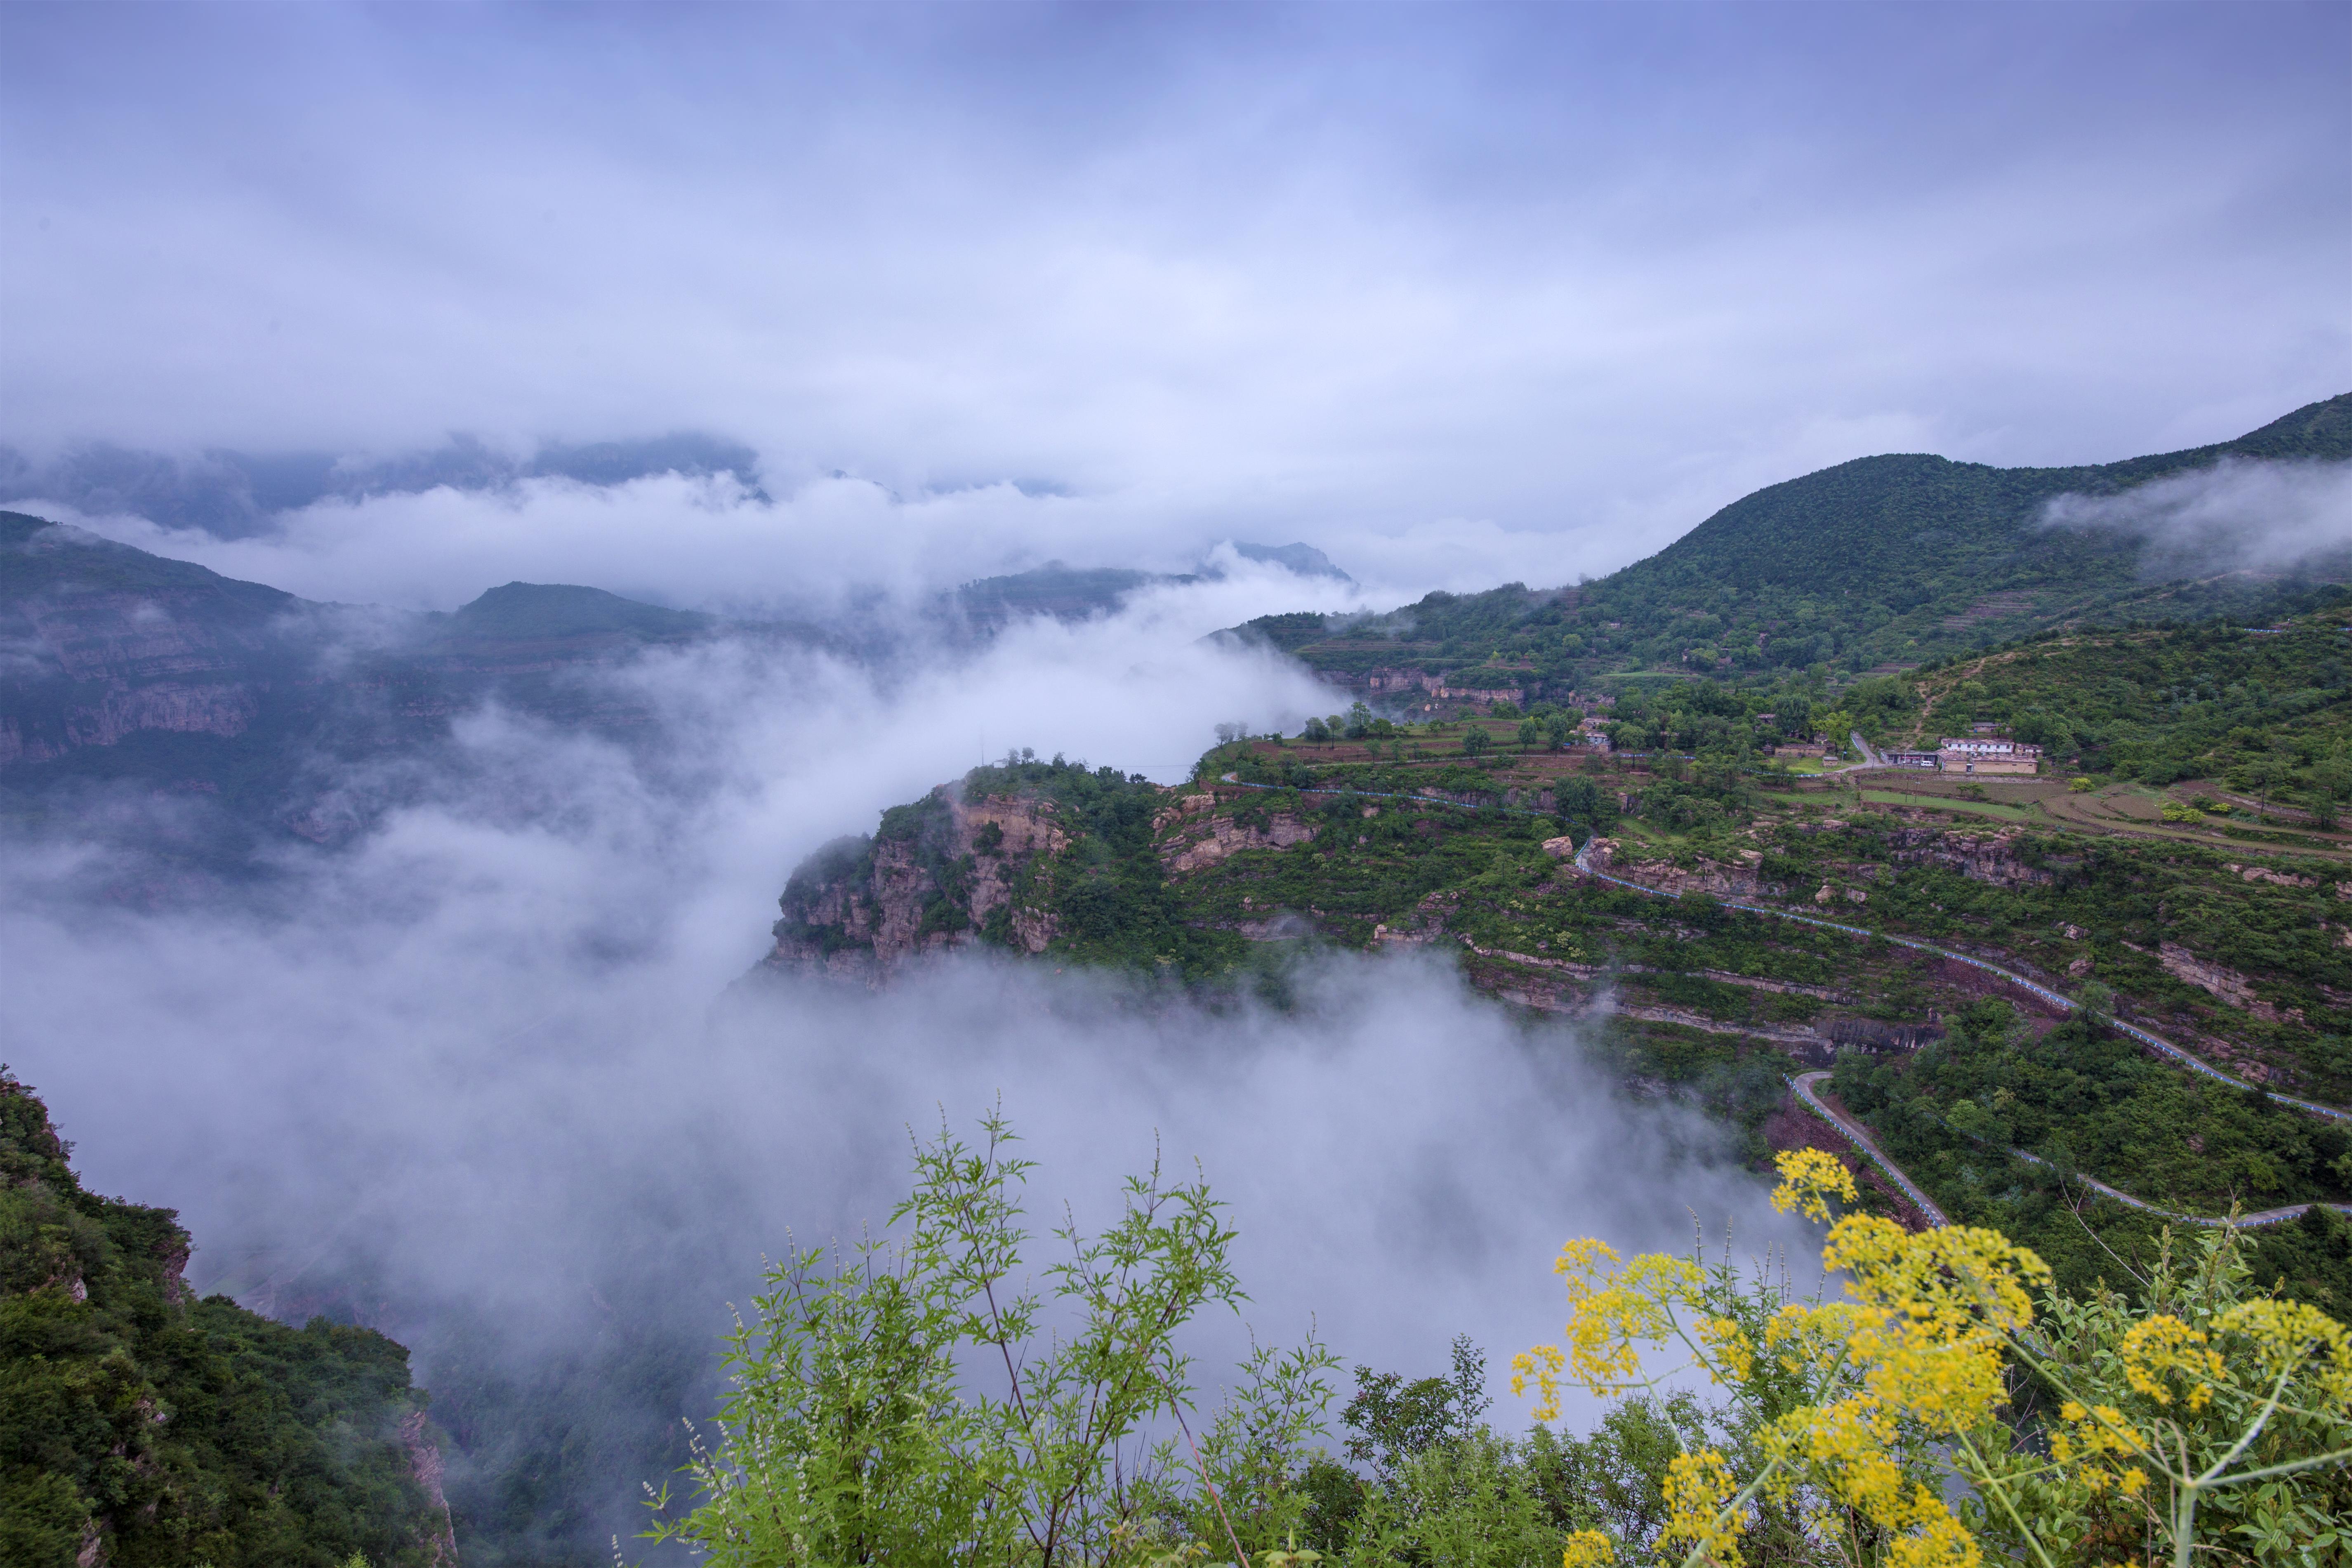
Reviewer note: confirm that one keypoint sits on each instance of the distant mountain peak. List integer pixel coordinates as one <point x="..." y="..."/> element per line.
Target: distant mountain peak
<point x="1302" y="559"/>
<point x="566" y="610"/>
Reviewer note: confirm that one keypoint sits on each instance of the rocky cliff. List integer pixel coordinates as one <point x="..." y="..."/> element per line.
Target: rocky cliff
<point x="141" y="1427"/>
<point x="942" y="873"/>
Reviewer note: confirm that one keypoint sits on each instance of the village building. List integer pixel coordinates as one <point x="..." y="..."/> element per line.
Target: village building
<point x="1912" y="760"/>
<point x="1986" y="754"/>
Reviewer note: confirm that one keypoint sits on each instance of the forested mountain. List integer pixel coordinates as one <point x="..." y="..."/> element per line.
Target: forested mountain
<point x="140" y="1428"/>
<point x="1876" y="563"/>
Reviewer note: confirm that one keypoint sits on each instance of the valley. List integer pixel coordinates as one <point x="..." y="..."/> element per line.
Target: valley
<point x="1648" y="821"/>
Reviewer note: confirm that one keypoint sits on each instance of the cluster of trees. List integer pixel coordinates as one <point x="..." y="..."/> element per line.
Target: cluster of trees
<point x="1356" y="724"/>
<point x="139" y="1427"/>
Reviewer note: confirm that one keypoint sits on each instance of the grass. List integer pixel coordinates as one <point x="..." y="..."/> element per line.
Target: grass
<point x="1946" y="802"/>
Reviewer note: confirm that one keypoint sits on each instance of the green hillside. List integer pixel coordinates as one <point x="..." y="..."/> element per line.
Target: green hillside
<point x="140" y="1426"/>
<point x="1914" y="529"/>
<point x="1876" y="563"/>
<point x="2265" y="711"/>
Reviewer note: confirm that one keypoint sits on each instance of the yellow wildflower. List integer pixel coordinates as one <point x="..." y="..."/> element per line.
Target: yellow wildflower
<point x="2297" y="1334"/>
<point x="1698" y="1486"/>
<point x="1588" y="1549"/>
<point x="1543" y="1363"/>
<point x="1809" y="1179"/>
<point x="2164" y="1344"/>
<point x="1580" y="1260"/>
<point x="1941" y="1541"/>
<point x="1734" y="1357"/>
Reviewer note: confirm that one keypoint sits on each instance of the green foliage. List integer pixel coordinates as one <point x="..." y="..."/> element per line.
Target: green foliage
<point x="166" y="1432"/>
<point x="2269" y="715"/>
<point x="1893" y="559"/>
<point x="909" y="1403"/>
<point x="1395" y="1421"/>
<point x="861" y="1426"/>
<point x="2084" y="1096"/>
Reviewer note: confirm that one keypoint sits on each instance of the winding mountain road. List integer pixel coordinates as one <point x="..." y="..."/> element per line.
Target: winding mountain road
<point x="1859" y="1136"/>
<point x="2064" y="1004"/>
<point x="1861" y="1139"/>
<point x="1854" y="1130"/>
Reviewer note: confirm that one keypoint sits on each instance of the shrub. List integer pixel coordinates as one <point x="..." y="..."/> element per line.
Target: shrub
<point x="849" y="1435"/>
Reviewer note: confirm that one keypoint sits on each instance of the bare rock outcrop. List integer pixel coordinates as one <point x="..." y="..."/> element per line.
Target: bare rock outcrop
<point x="1196" y="847"/>
<point x="2223" y="984"/>
<point x="424" y="1463"/>
<point x="1981" y="858"/>
<point x="1737" y="877"/>
<point x="859" y="906"/>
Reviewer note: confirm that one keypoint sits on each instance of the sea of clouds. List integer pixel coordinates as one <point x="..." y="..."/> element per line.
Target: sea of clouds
<point x="494" y="1063"/>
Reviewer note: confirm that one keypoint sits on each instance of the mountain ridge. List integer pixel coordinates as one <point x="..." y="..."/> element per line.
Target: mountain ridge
<point x="1870" y="563"/>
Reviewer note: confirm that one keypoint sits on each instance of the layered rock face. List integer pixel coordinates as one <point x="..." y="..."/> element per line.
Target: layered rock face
<point x="861" y="907"/>
<point x="99" y="642"/>
<point x="1736" y="879"/>
<point x="1202" y="839"/>
<point x="1992" y="859"/>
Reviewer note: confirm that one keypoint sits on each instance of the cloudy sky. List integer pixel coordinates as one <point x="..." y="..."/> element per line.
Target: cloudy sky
<point x="1458" y="293"/>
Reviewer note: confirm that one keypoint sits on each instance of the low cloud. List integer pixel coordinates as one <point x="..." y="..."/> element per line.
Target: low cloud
<point x="2241" y="514"/>
<point x="1576" y="276"/>
<point x="712" y="541"/>
<point x="487" y="1070"/>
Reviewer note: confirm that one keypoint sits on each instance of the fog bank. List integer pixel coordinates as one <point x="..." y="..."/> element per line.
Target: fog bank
<point x="2239" y="515"/>
<point x="482" y="1079"/>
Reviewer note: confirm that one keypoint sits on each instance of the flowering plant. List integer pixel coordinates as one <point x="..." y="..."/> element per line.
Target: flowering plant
<point x="1951" y="1404"/>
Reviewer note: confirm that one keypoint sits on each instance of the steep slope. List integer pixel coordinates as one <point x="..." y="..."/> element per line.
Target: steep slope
<point x="140" y="1426"/>
<point x="105" y="641"/>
